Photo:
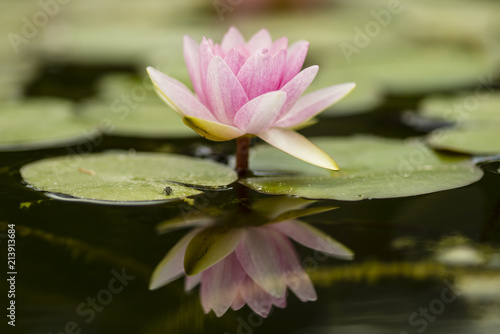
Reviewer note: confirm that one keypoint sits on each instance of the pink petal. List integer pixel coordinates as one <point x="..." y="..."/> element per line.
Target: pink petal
<point x="295" y="59"/>
<point x="260" y="113"/>
<point x="171" y="266"/>
<point x="191" y="281"/>
<point x="206" y="55"/>
<point x="256" y="75"/>
<point x="224" y="91"/>
<point x="259" y="257"/>
<point x="192" y="59"/>
<point x="279" y="44"/>
<point x="313" y="103"/>
<point x="178" y="96"/>
<point x="238" y="301"/>
<point x="297" y="86"/>
<point x="232" y="39"/>
<point x="234" y="60"/>
<point x="261" y="40"/>
<point x="221" y="284"/>
<point x="311" y="237"/>
<point x="257" y="299"/>
<point x="298" y="146"/>
<point x="294" y="276"/>
<point x="279" y="67"/>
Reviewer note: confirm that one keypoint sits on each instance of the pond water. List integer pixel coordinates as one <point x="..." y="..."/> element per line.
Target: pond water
<point x="390" y="263"/>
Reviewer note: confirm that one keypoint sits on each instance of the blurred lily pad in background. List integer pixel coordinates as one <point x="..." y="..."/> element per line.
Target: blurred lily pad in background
<point x="41" y="123"/>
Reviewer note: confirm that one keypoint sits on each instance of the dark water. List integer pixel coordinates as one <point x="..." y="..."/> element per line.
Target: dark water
<point x="67" y="253"/>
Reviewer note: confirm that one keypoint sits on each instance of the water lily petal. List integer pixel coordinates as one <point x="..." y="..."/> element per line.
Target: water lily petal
<point x="279" y="67"/>
<point x="206" y="56"/>
<point x="313" y="103"/>
<point x="295" y="59"/>
<point x="279" y="44"/>
<point x="191" y="281"/>
<point x="260" y="40"/>
<point x="222" y="282"/>
<point x="297" y="86"/>
<point x="254" y="74"/>
<point x="260" y="113"/>
<point x="298" y="146"/>
<point x="234" y="60"/>
<point x="225" y="93"/>
<point x="212" y="130"/>
<point x="192" y="59"/>
<point x="238" y="302"/>
<point x="232" y="39"/>
<point x="178" y="96"/>
<point x="293" y="275"/>
<point x="171" y="266"/>
<point x="257" y="299"/>
<point x="259" y="256"/>
<point x="311" y="237"/>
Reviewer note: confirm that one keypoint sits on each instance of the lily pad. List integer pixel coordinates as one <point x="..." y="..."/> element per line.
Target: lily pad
<point x="473" y="108"/>
<point x="475" y="140"/>
<point x="130" y="107"/>
<point x="41" y="123"/>
<point x="146" y="120"/>
<point x="371" y="167"/>
<point x="126" y="178"/>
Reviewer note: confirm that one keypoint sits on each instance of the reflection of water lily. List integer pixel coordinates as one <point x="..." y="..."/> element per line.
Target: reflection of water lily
<point x="251" y="265"/>
<point x="252" y="87"/>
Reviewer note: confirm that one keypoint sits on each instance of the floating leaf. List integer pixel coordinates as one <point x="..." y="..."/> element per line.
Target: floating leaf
<point x="144" y="120"/>
<point x="41" y="123"/>
<point x="473" y="108"/>
<point x="370" y="168"/>
<point x="475" y="140"/>
<point x="126" y="178"/>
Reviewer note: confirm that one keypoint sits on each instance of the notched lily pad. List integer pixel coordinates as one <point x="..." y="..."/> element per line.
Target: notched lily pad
<point x="41" y="123"/>
<point x="125" y="178"/>
<point x="370" y="168"/>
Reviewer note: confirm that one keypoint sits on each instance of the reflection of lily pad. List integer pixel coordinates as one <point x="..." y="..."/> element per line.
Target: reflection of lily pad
<point x="370" y="168"/>
<point x="122" y="178"/>
<point x="40" y="123"/>
<point x="480" y="140"/>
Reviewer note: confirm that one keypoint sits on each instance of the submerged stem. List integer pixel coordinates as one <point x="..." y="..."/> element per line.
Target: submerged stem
<point x="242" y="150"/>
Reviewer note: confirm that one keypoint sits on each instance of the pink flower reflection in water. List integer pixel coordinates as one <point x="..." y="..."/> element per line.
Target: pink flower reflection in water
<point x="263" y="264"/>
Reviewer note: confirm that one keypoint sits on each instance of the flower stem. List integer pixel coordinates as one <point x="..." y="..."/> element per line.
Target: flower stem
<point x="242" y="150"/>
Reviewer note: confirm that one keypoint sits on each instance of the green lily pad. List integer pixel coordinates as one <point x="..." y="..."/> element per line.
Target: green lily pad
<point x="473" y="108"/>
<point x="126" y="178"/>
<point x="41" y="123"/>
<point x="370" y="168"/>
<point x="474" y="140"/>
<point x="146" y="120"/>
<point x="130" y="107"/>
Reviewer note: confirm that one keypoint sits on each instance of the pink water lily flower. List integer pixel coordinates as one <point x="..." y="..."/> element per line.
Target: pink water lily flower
<point x="250" y="88"/>
<point x="258" y="271"/>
